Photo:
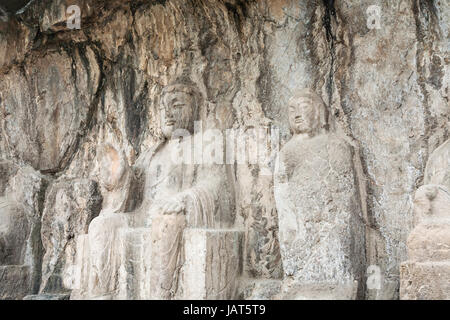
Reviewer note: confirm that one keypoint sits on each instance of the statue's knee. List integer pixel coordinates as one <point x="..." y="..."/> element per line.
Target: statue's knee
<point x="108" y="221"/>
<point x="102" y="228"/>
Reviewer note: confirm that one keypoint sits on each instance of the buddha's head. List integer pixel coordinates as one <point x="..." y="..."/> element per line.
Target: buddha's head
<point x="179" y="107"/>
<point x="307" y="113"/>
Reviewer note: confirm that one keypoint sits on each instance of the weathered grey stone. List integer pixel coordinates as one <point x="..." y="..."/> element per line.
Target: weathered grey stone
<point x="135" y="269"/>
<point x="104" y="258"/>
<point x="7" y="170"/>
<point x="425" y="280"/>
<point x="167" y="256"/>
<point x="437" y="170"/>
<point x="382" y="93"/>
<point x="177" y="195"/>
<point x="80" y="285"/>
<point x="15" y="39"/>
<point x="47" y="297"/>
<point x="15" y="282"/>
<point x="44" y="114"/>
<point x="266" y="289"/>
<point x="320" y="217"/>
<point x="70" y="207"/>
<point x="20" y="223"/>
<point x="98" y="261"/>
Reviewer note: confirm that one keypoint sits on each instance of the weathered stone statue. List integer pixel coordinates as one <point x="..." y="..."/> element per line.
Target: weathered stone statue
<point x="321" y="226"/>
<point x="99" y="255"/>
<point x="175" y="182"/>
<point x="426" y="275"/>
<point x="177" y="194"/>
<point x="180" y="193"/>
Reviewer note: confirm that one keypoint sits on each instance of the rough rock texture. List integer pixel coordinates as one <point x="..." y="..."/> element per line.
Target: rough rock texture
<point x="70" y="207"/>
<point x="40" y="124"/>
<point x="21" y="206"/>
<point x="321" y="224"/>
<point x="64" y="93"/>
<point x="16" y="282"/>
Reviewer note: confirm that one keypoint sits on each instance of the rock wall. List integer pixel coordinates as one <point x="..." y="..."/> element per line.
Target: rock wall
<point x="66" y="92"/>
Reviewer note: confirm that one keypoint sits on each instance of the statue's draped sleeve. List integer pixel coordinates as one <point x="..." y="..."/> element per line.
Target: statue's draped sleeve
<point x="210" y="201"/>
<point x="281" y="194"/>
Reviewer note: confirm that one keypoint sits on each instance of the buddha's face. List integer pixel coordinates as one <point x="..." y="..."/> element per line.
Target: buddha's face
<point x="177" y="112"/>
<point x="302" y="115"/>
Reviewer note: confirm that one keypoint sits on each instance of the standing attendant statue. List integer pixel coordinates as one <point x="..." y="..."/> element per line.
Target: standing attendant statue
<point x="321" y="227"/>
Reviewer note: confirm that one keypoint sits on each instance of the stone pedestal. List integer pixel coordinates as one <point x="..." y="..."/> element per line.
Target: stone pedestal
<point x="213" y="263"/>
<point x="426" y="275"/>
<point x="210" y="263"/>
<point x="167" y="256"/>
<point x="80" y="281"/>
<point x="135" y="268"/>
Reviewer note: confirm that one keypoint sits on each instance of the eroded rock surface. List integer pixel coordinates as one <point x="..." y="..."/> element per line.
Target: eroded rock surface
<point x="321" y="224"/>
<point x="70" y="207"/>
<point x="21" y="205"/>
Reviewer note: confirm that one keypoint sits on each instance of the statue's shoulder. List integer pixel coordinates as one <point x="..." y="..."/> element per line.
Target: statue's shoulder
<point x="339" y="141"/>
<point x="146" y="156"/>
<point x="340" y="151"/>
<point x="331" y="145"/>
<point x="320" y="141"/>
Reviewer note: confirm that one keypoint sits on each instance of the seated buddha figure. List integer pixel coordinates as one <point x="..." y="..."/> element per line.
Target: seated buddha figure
<point x="178" y="193"/>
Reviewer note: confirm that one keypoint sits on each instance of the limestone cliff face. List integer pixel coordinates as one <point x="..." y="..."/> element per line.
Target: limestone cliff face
<point x="65" y="92"/>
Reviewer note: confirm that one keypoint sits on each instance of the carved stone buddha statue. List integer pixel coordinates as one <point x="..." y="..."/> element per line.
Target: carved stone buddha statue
<point x="321" y="228"/>
<point x="177" y="194"/>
